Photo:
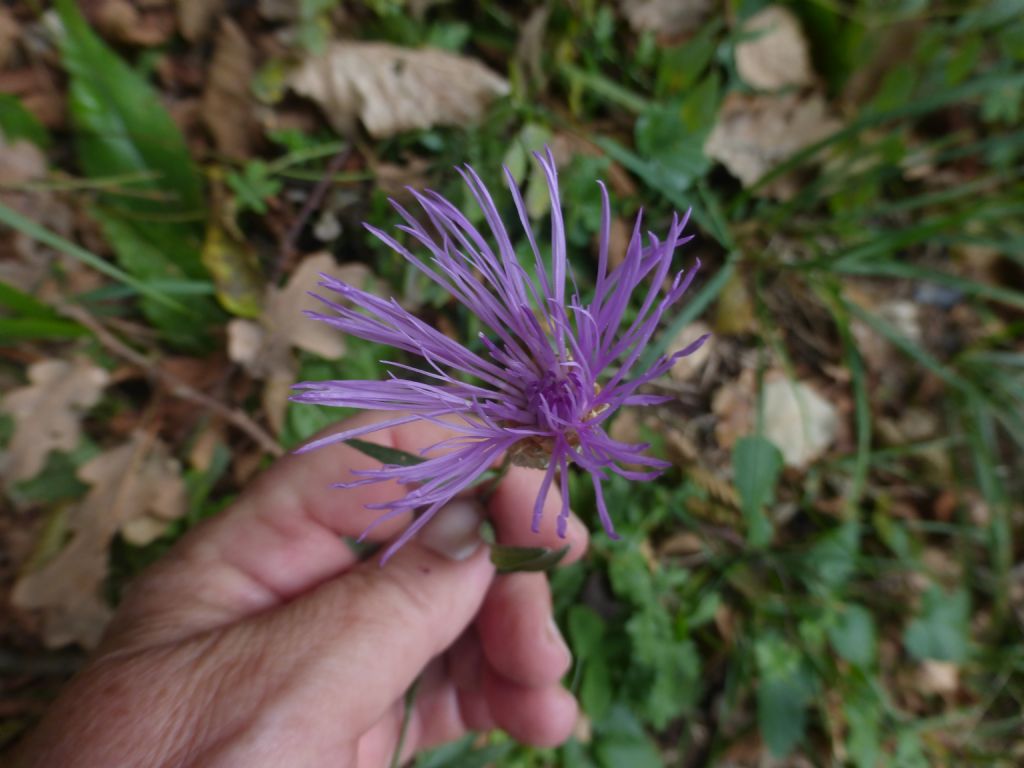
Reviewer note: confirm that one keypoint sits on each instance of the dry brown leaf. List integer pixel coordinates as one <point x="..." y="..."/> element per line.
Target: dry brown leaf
<point x="38" y="90"/>
<point x="774" y="54"/>
<point x="205" y="445"/>
<point x="285" y="307"/>
<point x="391" y="89"/>
<point x="754" y="134"/>
<point x="395" y="179"/>
<point x="681" y="543"/>
<point x="666" y="17"/>
<point x="530" y="48"/>
<point x="135" y="488"/>
<point x="938" y="677"/>
<point x="10" y="34"/>
<point x="227" y="103"/>
<point x="733" y="404"/>
<point x="800" y="422"/>
<point x="20" y="161"/>
<point x="686" y="368"/>
<point x="734" y="309"/>
<point x="121" y="21"/>
<point x="279" y="10"/>
<point x="24" y="262"/>
<point x="264" y="347"/>
<point x="878" y="352"/>
<point x="195" y="17"/>
<point x="47" y="413"/>
<point x="619" y="234"/>
<point x="626" y="426"/>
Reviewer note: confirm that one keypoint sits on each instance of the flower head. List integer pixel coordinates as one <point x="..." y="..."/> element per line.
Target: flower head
<point x="541" y="384"/>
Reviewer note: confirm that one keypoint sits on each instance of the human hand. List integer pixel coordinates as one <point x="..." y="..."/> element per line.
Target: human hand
<point x="262" y="640"/>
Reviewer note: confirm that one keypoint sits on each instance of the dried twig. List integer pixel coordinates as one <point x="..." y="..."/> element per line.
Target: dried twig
<point x="313" y="202"/>
<point x="175" y="385"/>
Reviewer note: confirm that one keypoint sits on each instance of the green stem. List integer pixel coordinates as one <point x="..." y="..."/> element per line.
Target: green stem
<point x="488" y="487"/>
<point x="408" y="702"/>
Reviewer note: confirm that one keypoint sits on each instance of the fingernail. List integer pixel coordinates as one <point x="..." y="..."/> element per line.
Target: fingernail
<point x="455" y="530"/>
<point x="555" y="638"/>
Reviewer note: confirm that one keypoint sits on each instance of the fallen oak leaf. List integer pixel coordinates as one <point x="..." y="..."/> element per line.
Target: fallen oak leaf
<point x="25" y="263"/>
<point x="10" y="35"/>
<point x="391" y="89"/>
<point x="227" y="100"/>
<point x="800" y="422"/>
<point x="47" y="413"/>
<point x="264" y="346"/>
<point x="754" y="134"/>
<point x="775" y="53"/>
<point x="195" y="17"/>
<point x="123" y="22"/>
<point x="136" y="489"/>
<point x="666" y="17"/>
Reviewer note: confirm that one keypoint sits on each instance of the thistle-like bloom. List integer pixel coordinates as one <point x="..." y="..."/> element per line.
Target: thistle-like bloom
<point x="541" y="384"/>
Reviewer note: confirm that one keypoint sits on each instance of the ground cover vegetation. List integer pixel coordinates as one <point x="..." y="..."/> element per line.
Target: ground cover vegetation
<point x="829" y="574"/>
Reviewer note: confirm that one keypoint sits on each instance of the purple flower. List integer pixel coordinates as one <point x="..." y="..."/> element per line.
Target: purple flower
<point x="546" y="377"/>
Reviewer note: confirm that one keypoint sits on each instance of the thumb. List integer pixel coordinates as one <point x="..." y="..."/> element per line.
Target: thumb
<point x="377" y="626"/>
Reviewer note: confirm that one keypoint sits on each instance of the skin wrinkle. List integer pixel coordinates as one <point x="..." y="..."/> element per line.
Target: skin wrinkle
<point x="218" y="598"/>
<point x="167" y="741"/>
<point x="268" y="689"/>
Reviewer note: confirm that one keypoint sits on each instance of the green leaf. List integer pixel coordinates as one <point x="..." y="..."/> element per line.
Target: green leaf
<point x="235" y="270"/>
<point x="836" y="41"/>
<point x="120" y="125"/>
<point x="941" y="632"/>
<point x="671" y="136"/>
<point x="57" y="481"/>
<point x="854" y="636"/>
<point x="910" y="752"/>
<point x="20" y="302"/>
<point x="17" y="123"/>
<point x="863" y="712"/>
<point x="833" y="557"/>
<point x="783" y="693"/>
<point x="464" y="754"/>
<point x="587" y="640"/>
<point x="384" y="454"/>
<point x="122" y="129"/>
<point x="143" y="250"/>
<point x="574" y="755"/>
<point x="596" y="693"/>
<point x="19" y="328"/>
<point x="517" y="559"/>
<point x="586" y="631"/>
<point x="17" y="221"/>
<point x="253" y="186"/>
<point x="681" y="65"/>
<point x="756" y="464"/>
<point x="622" y="741"/>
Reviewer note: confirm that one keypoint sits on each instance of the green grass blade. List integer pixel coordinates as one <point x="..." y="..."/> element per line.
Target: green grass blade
<point x="26" y="226"/>
<point x="38" y="328"/>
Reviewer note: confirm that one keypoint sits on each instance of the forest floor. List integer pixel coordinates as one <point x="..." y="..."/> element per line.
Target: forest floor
<point x="831" y="571"/>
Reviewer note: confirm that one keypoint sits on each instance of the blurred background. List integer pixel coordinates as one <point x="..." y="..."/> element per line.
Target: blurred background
<point x="830" y="573"/>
